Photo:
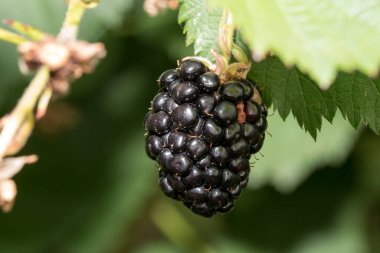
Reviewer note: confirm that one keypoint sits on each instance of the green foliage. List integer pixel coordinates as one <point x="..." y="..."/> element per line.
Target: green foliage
<point x="358" y="97"/>
<point x="201" y="25"/>
<point x="320" y="37"/>
<point x="288" y="89"/>
<point x="94" y="190"/>
<point x="291" y="91"/>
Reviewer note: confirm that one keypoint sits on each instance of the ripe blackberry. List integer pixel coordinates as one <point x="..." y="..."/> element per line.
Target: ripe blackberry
<point x="202" y="133"/>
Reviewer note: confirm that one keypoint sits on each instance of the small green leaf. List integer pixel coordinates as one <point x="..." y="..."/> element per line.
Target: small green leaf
<point x="290" y="90"/>
<point x="320" y="37"/>
<point x="358" y="97"/>
<point x="201" y="25"/>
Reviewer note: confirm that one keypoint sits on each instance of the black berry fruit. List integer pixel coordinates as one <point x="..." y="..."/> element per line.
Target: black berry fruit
<point x="202" y="133"/>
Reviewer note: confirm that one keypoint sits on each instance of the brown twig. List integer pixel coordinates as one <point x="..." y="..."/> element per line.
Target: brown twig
<point x="17" y="126"/>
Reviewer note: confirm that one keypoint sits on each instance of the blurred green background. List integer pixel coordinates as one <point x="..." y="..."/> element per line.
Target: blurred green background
<point x="95" y="191"/>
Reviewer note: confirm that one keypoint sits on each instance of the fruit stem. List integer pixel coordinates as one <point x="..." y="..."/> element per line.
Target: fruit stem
<point x="16" y="127"/>
<point x="73" y="18"/>
<point x="226" y="33"/>
<point x="23" y="109"/>
<point x="25" y="29"/>
<point x="224" y="68"/>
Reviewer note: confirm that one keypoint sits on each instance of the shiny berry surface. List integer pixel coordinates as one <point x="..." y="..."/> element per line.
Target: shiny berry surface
<point x="201" y="132"/>
<point x="190" y="70"/>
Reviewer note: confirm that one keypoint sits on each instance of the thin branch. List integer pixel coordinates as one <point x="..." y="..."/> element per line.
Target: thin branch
<point x="24" y="107"/>
<point x="11" y="37"/>
<point x="25" y="29"/>
<point x="74" y="14"/>
<point x="16" y="127"/>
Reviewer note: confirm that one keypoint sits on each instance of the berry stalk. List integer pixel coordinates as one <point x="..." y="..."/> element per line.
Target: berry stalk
<point x="47" y="56"/>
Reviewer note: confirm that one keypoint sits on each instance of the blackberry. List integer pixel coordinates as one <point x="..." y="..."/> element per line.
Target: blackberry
<point x="202" y="133"/>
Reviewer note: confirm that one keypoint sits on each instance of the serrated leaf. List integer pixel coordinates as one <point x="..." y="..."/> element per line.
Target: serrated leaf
<point x="296" y="155"/>
<point x="291" y="91"/>
<point x="358" y="97"/>
<point x="320" y="37"/>
<point x="201" y="25"/>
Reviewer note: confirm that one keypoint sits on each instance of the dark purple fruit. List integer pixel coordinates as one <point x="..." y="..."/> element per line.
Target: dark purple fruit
<point x="212" y="132"/>
<point x="240" y="148"/>
<point x="170" y="106"/>
<point x="190" y="70"/>
<point x="202" y="131"/>
<point x="153" y="146"/>
<point x="206" y="104"/>
<point x="167" y="189"/>
<point x="252" y="111"/>
<point x="158" y="123"/>
<point x="184" y="116"/>
<point x="197" y="194"/>
<point x="235" y="192"/>
<point x="209" y="82"/>
<point x="164" y="158"/>
<point x="202" y="209"/>
<point x="217" y="198"/>
<point x="197" y="149"/>
<point x="185" y="92"/>
<point x="167" y="78"/>
<point x="177" y="142"/>
<point x="244" y="183"/>
<point x="194" y="178"/>
<point x="225" y="209"/>
<point x="159" y="101"/>
<point x="172" y="87"/>
<point x="176" y="183"/>
<point x="180" y="164"/>
<point x="247" y="88"/>
<point x="232" y="91"/>
<point x="205" y="162"/>
<point x="212" y="176"/>
<point x="251" y="133"/>
<point x="225" y="112"/>
<point x="197" y="129"/>
<point x="261" y="124"/>
<point x="219" y="155"/>
<point x="232" y="133"/>
<point x="239" y="164"/>
<point x="229" y="179"/>
<point x="257" y="146"/>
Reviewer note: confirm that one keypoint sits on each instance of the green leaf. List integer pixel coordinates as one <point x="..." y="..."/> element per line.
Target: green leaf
<point x="358" y="97"/>
<point x="201" y="25"/>
<point x="290" y="90"/>
<point x="290" y="156"/>
<point x="320" y="37"/>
